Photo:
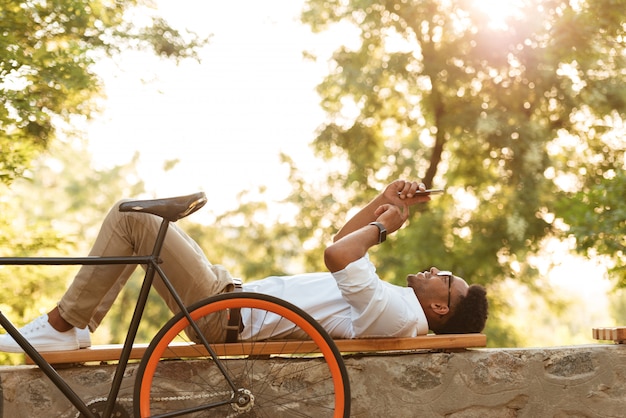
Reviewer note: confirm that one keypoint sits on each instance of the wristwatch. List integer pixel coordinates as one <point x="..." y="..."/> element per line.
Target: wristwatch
<point x="382" y="232"/>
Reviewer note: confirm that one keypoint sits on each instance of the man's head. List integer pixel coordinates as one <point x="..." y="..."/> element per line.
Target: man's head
<point x="450" y="304"/>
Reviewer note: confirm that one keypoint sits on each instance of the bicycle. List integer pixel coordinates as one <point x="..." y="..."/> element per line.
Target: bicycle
<point x="297" y="373"/>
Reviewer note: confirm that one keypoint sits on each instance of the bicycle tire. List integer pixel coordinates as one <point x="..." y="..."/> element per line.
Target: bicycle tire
<point x="306" y="377"/>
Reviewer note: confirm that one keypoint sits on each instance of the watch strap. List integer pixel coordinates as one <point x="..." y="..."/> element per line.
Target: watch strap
<point x="382" y="231"/>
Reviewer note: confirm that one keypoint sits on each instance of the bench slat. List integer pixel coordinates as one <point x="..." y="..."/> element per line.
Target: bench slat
<point x="426" y="342"/>
<point x="615" y="334"/>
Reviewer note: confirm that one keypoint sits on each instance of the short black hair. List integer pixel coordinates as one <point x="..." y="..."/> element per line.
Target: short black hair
<point x="469" y="315"/>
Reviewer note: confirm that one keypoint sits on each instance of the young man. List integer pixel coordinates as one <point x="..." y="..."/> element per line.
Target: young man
<point x="350" y="301"/>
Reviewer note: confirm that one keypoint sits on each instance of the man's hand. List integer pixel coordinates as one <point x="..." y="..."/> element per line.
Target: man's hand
<point x="402" y="192"/>
<point x="392" y="216"/>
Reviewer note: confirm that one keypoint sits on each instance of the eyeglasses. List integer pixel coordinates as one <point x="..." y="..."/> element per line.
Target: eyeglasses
<point x="448" y="274"/>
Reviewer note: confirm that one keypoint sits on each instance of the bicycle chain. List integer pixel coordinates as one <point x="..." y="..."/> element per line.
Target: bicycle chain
<point x="187" y="397"/>
<point x="158" y="399"/>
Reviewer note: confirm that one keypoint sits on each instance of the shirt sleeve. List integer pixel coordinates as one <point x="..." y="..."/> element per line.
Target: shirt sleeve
<point x="378" y="308"/>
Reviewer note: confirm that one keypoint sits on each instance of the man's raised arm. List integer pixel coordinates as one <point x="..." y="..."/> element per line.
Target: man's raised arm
<point x="389" y="209"/>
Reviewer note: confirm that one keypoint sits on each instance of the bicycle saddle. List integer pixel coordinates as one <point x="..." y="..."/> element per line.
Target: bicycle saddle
<point x="172" y="208"/>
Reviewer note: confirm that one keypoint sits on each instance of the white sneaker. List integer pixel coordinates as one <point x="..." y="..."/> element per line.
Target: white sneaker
<point x="84" y="337"/>
<point x="42" y="336"/>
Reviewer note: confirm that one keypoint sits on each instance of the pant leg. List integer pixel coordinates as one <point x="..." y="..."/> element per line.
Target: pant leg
<point x="129" y="233"/>
<point x="107" y="301"/>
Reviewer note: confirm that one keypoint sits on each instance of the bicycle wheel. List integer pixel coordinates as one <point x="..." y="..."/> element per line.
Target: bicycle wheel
<point x="302" y="374"/>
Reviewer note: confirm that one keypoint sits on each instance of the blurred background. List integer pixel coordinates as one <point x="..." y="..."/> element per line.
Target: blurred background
<point x="292" y="114"/>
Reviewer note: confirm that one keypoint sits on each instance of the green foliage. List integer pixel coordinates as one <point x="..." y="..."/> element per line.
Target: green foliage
<point x="47" y="52"/>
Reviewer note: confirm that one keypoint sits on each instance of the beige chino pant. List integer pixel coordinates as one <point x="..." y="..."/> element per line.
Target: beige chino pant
<point x="95" y="288"/>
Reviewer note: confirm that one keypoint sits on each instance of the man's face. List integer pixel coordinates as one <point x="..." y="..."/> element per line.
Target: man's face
<point x="429" y="286"/>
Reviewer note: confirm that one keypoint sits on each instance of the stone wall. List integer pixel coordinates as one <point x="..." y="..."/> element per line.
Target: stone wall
<point x="587" y="381"/>
<point x="578" y="381"/>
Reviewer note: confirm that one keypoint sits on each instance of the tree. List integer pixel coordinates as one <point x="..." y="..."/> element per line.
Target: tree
<point x="433" y="91"/>
<point x="47" y="50"/>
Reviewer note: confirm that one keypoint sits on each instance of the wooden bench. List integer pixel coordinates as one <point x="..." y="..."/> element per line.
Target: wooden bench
<point x="615" y="334"/>
<point x="105" y="353"/>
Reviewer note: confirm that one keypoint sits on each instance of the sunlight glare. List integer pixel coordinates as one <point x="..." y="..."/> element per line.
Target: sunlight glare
<point x="499" y="11"/>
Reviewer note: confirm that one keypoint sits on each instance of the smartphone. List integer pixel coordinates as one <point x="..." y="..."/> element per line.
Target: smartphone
<point x="427" y="192"/>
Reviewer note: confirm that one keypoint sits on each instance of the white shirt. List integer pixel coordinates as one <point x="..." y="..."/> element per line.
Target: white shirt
<point x="350" y="303"/>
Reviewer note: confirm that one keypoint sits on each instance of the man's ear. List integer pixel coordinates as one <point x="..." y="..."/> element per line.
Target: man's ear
<point x="439" y="309"/>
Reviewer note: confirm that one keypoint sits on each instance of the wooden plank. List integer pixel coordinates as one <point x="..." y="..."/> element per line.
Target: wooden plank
<point x="101" y="353"/>
<point x="431" y="341"/>
<point x="615" y="334"/>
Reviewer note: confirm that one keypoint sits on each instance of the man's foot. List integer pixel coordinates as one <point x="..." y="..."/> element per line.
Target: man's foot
<point x="84" y="337"/>
<point x="42" y="336"/>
